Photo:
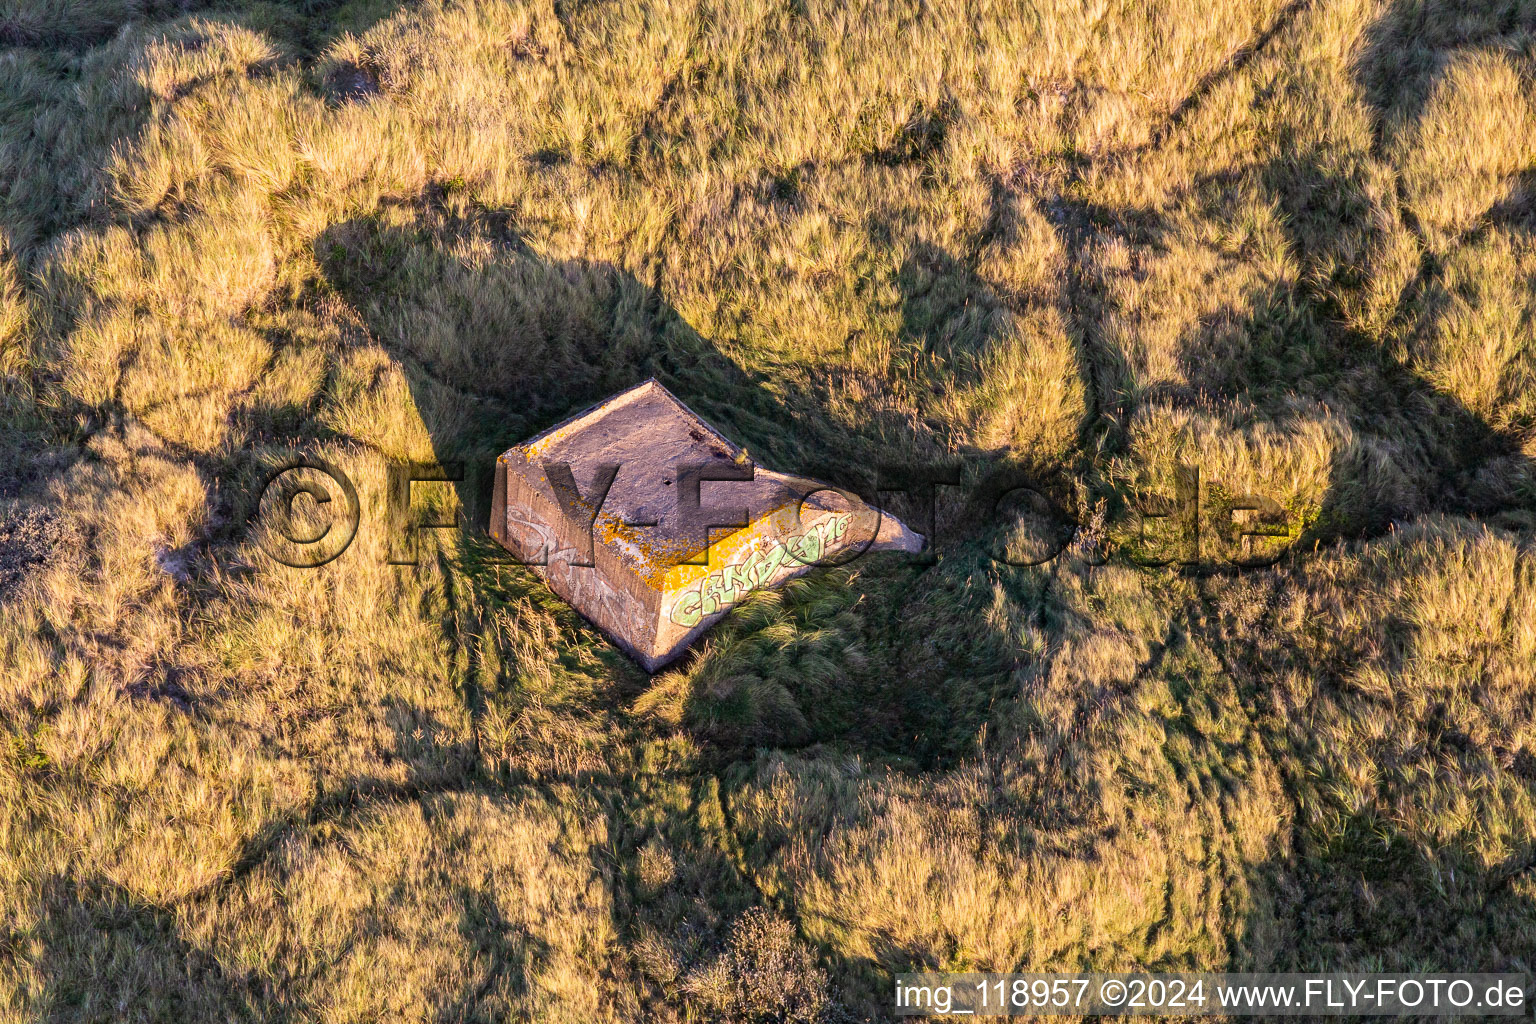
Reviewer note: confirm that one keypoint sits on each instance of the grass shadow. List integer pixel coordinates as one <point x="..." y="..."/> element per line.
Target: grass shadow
<point x="1408" y="47"/>
<point x="106" y="954"/>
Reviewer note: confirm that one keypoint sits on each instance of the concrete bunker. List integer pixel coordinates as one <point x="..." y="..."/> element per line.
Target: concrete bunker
<point x="652" y="524"/>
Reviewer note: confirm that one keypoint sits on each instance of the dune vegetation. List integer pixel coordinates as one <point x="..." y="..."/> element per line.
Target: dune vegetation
<point x="1290" y="244"/>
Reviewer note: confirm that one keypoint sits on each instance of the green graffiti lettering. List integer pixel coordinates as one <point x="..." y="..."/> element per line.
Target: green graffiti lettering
<point x="752" y="568"/>
<point x="811" y="545"/>
<point x="774" y="561"/>
<point x="685" y="610"/>
<point x="733" y="582"/>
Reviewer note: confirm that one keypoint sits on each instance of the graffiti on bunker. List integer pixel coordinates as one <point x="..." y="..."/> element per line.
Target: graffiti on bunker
<point x="729" y="584"/>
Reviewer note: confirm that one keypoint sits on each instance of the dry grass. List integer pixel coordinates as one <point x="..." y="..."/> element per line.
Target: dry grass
<point x="1289" y="243"/>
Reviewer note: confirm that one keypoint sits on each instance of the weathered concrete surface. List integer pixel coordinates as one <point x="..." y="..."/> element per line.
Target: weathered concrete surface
<point x="651" y="576"/>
